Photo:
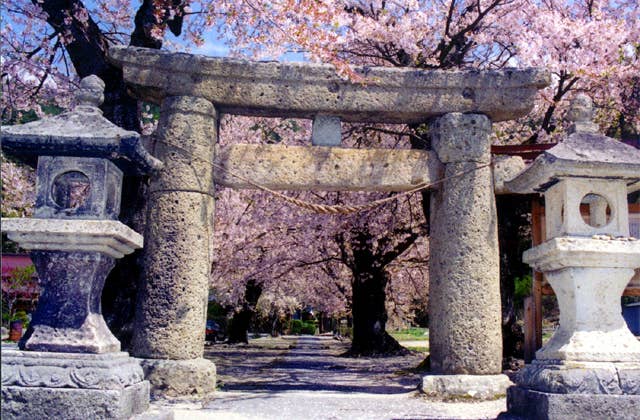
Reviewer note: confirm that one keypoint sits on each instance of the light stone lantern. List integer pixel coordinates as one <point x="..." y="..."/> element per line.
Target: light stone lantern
<point x="591" y="365"/>
<point x="69" y="364"/>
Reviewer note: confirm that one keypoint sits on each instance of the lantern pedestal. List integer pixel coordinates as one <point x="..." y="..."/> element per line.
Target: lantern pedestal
<point x="72" y="366"/>
<point x="38" y="385"/>
<point x="73" y="259"/>
<point x="590" y="368"/>
<point x="524" y="403"/>
<point x="588" y="277"/>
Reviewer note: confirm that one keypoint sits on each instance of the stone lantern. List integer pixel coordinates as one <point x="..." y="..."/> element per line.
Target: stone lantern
<point x="69" y="364"/>
<point x="590" y="367"/>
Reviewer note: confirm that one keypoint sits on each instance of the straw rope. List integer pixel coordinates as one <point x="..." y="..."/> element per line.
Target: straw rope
<point x="325" y="208"/>
<point x="346" y="209"/>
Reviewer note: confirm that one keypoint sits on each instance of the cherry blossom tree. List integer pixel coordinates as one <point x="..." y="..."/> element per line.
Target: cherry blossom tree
<point x="18" y="189"/>
<point x="333" y="263"/>
<point x="588" y="45"/>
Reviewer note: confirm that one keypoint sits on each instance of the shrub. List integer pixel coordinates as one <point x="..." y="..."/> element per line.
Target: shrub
<point x="297" y="327"/>
<point x="308" y="328"/>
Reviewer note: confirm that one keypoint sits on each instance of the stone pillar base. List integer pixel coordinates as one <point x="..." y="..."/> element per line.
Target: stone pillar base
<point x="523" y="403"/>
<point x="568" y="377"/>
<point x="477" y="387"/>
<point x="66" y="403"/>
<point x="175" y="378"/>
<point x="575" y="390"/>
<point x="39" y="385"/>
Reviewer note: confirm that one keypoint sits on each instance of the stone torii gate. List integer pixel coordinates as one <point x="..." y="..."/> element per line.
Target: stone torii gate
<point x="465" y="324"/>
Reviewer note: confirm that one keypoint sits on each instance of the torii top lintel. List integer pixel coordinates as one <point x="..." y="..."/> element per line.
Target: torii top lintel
<point x="304" y="90"/>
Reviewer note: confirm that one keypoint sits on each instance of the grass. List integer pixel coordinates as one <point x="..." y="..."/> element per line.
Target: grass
<point x="411" y="334"/>
<point x="418" y="349"/>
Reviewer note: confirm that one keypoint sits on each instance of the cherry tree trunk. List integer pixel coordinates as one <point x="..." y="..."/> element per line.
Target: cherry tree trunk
<point x="241" y="321"/>
<point x="370" y="315"/>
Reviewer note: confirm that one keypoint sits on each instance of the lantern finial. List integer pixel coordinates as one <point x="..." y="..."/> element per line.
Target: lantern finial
<point x="581" y="115"/>
<point x="91" y="92"/>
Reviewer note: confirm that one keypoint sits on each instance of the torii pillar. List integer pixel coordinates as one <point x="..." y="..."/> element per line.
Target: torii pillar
<point x="172" y="303"/>
<point x="464" y="265"/>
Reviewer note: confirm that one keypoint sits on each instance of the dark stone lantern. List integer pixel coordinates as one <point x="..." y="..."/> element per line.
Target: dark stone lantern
<point x="68" y="360"/>
<point x="81" y="157"/>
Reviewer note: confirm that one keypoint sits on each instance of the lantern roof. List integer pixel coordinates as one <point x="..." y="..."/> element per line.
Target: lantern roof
<point x="584" y="153"/>
<point x="82" y="131"/>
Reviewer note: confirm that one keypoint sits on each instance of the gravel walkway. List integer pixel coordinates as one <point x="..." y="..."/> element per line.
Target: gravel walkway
<point x="305" y="378"/>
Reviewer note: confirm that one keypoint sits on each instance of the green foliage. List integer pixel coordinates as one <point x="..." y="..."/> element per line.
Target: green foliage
<point x="297" y="327"/>
<point x="9" y="247"/>
<point x="522" y="288"/>
<point x="215" y="310"/>
<point x="415" y="331"/>
<point x="150" y="113"/>
<point x="21" y="316"/>
<point x="309" y="328"/>
<point x="13" y="116"/>
<point x="418" y="349"/>
<point x="20" y="276"/>
<point x="411" y="334"/>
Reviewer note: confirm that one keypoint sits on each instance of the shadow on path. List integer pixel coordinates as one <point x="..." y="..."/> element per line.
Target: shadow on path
<point x="305" y="378"/>
<point x="310" y="363"/>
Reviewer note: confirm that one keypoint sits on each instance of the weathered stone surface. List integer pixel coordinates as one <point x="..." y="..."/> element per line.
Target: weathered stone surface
<point x="38" y="385"/>
<point x="581" y="114"/>
<point x="529" y="404"/>
<point x="460" y="138"/>
<point x="155" y="414"/>
<point x="505" y="168"/>
<point x="325" y="168"/>
<point x="464" y="293"/>
<point x="107" y="237"/>
<point x="114" y="371"/>
<point x="68" y="317"/>
<point x="629" y="378"/>
<point x="479" y="387"/>
<point x="21" y="403"/>
<point x="172" y="378"/>
<point x="578" y="373"/>
<point x="562" y="207"/>
<point x="326" y="131"/>
<point x="171" y="310"/>
<point x="591" y="325"/>
<point x="67" y="135"/>
<point x="581" y="377"/>
<point x="78" y="188"/>
<point x="574" y="251"/>
<point x="580" y="155"/>
<point x="273" y="89"/>
<point x="588" y="276"/>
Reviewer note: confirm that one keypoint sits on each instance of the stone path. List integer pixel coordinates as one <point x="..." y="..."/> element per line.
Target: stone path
<point x="305" y="378"/>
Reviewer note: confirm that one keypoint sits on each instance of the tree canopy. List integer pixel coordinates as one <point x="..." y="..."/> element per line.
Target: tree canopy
<point x="590" y="46"/>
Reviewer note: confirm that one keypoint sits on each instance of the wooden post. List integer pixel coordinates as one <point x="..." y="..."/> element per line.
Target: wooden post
<point x="537" y="308"/>
<point x="529" y="325"/>
<point x="535" y="329"/>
